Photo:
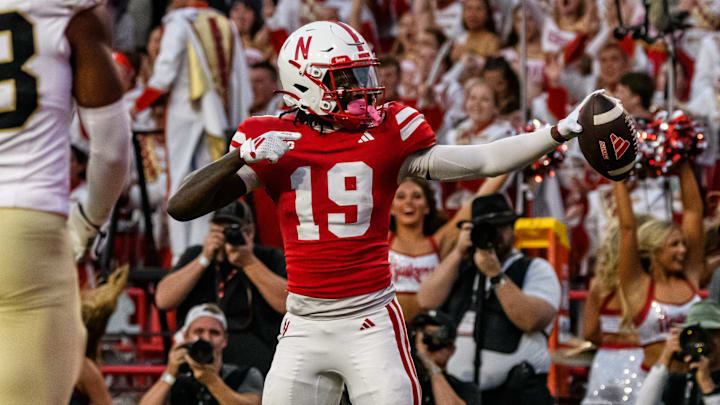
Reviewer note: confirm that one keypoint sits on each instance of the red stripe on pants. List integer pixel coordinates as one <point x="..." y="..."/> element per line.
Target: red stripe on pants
<point x="398" y="310"/>
<point x="399" y="340"/>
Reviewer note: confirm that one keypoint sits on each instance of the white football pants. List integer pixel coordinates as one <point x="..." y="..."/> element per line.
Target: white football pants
<point x="368" y="352"/>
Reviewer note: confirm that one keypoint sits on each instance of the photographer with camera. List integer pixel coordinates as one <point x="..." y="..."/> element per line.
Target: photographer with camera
<point x="433" y="342"/>
<point x="505" y="303"/>
<point x="246" y="280"/>
<point x="195" y="371"/>
<point x="696" y="344"/>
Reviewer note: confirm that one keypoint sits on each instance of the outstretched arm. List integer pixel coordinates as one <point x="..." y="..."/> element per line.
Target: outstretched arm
<point x="629" y="266"/>
<point x="454" y="162"/>
<point x="692" y="224"/>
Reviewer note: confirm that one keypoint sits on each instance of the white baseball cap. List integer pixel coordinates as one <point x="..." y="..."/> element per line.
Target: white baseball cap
<point x="210" y="310"/>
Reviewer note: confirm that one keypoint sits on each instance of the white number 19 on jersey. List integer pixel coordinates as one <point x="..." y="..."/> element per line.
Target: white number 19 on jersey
<point x="361" y="197"/>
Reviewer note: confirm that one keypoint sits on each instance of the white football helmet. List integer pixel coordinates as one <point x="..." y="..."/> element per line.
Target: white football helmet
<point x="328" y="69"/>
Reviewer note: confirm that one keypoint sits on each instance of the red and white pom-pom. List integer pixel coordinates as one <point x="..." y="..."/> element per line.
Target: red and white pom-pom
<point x="544" y="167"/>
<point x="663" y="142"/>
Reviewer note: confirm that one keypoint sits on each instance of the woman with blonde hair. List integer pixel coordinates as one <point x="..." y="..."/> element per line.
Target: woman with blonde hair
<point x="615" y="375"/>
<point x="660" y="266"/>
<point x="484" y="124"/>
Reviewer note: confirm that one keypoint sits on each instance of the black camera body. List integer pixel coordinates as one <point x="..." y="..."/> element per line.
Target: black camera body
<point x="234" y="235"/>
<point x="438" y="339"/>
<point x="484" y="235"/>
<point x="694" y="342"/>
<point x="200" y="350"/>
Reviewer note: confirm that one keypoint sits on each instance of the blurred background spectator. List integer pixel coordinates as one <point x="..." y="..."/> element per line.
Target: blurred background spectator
<point x="433" y="344"/>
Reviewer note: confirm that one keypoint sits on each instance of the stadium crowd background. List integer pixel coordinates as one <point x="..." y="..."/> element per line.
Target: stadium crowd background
<point x="459" y="63"/>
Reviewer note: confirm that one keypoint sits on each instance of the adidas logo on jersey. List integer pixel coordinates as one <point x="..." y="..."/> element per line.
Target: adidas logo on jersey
<point x="366" y="137"/>
<point x="367" y="323"/>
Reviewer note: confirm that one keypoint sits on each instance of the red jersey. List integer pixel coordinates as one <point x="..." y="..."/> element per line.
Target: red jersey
<point x="333" y="192"/>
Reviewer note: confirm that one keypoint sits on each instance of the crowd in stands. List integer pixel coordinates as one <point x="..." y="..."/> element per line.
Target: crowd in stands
<point x="644" y="249"/>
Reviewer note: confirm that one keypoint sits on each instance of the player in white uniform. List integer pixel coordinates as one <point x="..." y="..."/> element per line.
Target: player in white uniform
<point x="51" y="51"/>
<point x="333" y="170"/>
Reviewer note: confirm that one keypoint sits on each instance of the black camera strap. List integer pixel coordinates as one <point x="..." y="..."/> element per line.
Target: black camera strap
<point x="478" y="327"/>
<point x="690" y="394"/>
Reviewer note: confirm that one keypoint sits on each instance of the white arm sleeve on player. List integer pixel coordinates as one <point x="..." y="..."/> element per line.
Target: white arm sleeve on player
<point x="464" y="162"/>
<point x="109" y="130"/>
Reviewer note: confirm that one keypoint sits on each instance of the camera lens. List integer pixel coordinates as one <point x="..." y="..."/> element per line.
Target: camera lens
<point x="234" y="235"/>
<point x="694" y="342"/>
<point x="200" y="351"/>
<point x="484" y="236"/>
<point x="438" y="339"/>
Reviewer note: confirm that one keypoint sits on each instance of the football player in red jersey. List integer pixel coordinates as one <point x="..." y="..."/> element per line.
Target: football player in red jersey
<point x="332" y="166"/>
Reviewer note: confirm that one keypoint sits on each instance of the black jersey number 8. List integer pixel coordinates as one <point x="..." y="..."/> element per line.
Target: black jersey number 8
<point x="17" y="33"/>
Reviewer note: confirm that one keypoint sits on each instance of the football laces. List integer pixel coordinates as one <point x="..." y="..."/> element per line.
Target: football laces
<point x="632" y="126"/>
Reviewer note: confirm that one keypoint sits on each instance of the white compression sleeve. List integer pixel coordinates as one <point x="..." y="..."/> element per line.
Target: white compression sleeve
<point x="109" y="130"/>
<point x="462" y="162"/>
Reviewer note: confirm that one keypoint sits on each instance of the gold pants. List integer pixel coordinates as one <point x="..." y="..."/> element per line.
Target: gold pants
<point x="42" y="337"/>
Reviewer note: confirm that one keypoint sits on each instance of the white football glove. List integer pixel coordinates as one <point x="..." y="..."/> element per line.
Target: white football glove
<point x="270" y="145"/>
<point x="82" y="231"/>
<point x="569" y="127"/>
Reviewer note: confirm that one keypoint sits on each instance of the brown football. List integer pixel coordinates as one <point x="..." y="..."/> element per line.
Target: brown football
<point x="609" y="140"/>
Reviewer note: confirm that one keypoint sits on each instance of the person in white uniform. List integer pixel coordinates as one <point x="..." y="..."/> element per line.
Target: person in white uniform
<point x="202" y="65"/>
<point x="51" y="52"/>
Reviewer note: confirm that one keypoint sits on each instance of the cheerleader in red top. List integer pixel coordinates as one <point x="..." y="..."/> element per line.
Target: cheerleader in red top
<point x="660" y="265"/>
<point x="419" y="236"/>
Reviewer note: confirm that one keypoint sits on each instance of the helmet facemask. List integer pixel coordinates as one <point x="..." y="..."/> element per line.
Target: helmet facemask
<point x="353" y="95"/>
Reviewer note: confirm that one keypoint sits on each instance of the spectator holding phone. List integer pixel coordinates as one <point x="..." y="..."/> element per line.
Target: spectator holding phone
<point x="246" y="280"/>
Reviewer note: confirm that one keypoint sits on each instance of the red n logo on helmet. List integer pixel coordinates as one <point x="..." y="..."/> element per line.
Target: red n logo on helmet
<point x="303" y="47"/>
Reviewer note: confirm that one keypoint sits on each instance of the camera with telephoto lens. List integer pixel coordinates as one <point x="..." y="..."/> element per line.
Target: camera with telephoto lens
<point x="438" y="339"/>
<point x="484" y="235"/>
<point x="694" y="342"/>
<point x="234" y="235"/>
<point x="200" y="350"/>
